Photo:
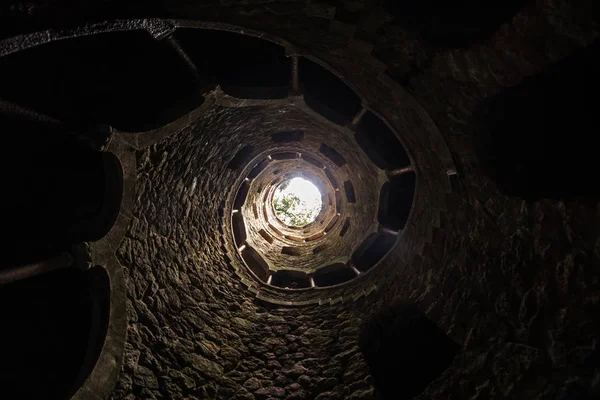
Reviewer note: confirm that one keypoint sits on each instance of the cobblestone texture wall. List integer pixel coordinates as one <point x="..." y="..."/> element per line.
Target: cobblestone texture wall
<point x="517" y="283"/>
<point x="194" y="332"/>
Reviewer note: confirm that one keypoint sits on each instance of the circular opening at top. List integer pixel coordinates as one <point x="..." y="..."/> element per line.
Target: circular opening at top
<point x="297" y="202"/>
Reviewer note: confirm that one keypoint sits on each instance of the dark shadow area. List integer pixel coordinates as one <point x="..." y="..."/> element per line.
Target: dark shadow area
<point x="244" y="66"/>
<point x="240" y="198"/>
<point x="285" y="156"/>
<point x="345" y="227"/>
<point x="241" y="158"/>
<point x="331" y="224"/>
<point x="405" y="351"/>
<point x="288" y="136"/>
<point x="125" y="79"/>
<point x="453" y="23"/>
<point x="53" y="329"/>
<point x="239" y="229"/>
<point x="538" y="139"/>
<point x="349" y="190"/>
<point x="58" y="192"/>
<point x="333" y="275"/>
<point x="338" y="201"/>
<point x="291" y="251"/>
<point x="327" y="94"/>
<point x="380" y="143"/>
<point x="313" y="161"/>
<point x="266" y="236"/>
<point x="258" y="169"/>
<point x="256" y="263"/>
<point x="395" y="201"/>
<point x="314" y="237"/>
<point x="332" y="154"/>
<point x="372" y="250"/>
<point x="331" y="179"/>
<point x="291" y="279"/>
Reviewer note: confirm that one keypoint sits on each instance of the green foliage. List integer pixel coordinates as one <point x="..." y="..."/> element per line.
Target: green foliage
<point x="289" y="211"/>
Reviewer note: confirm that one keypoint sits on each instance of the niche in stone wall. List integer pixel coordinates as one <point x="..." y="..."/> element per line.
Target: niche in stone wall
<point x="241" y="158"/>
<point x="332" y="154"/>
<point x="395" y="201"/>
<point x="380" y="143"/>
<point x="372" y="250"/>
<point x="285" y="156"/>
<point x="81" y="83"/>
<point x="256" y="263"/>
<point x="333" y="274"/>
<point x="244" y="66"/>
<point x="288" y="136"/>
<point x="313" y="161"/>
<point x="266" y="236"/>
<point x="260" y="167"/>
<point x="345" y="227"/>
<point x="53" y="329"/>
<point x="239" y="228"/>
<point x="291" y="250"/>
<point x="400" y="344"/>
<point x="327" y="94"/>
<point x="240" y="199"/>
<point x="349" y="190"/>
<point x="59" y="191"/>
<point x="290" y="279"/>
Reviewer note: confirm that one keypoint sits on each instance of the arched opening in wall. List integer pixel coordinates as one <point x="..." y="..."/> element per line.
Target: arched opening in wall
<point x="333" y="275"/>
<point x="453" y="24"/>
<point x="400" y="342"/>
<point x="395" y="201"/>
<point x="289" y="279"/>
<point x="380" y="143"/>
<point x="241" y="158"/>
<point x="288" y="136"/>
<point x="372" y="250"/>
<point x="332" y="154"/>
<point x="256" y="263"/>
<point x="244" y="66"/>
<point x="77" y="80"/>
<point x="327" y="94"/>
<point x="53" y="329"/>
<point x="60" y="192"/>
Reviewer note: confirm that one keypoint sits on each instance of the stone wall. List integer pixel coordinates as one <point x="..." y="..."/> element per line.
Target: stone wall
<point x="194" y="331"/>
<point x="516" y="282"/>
